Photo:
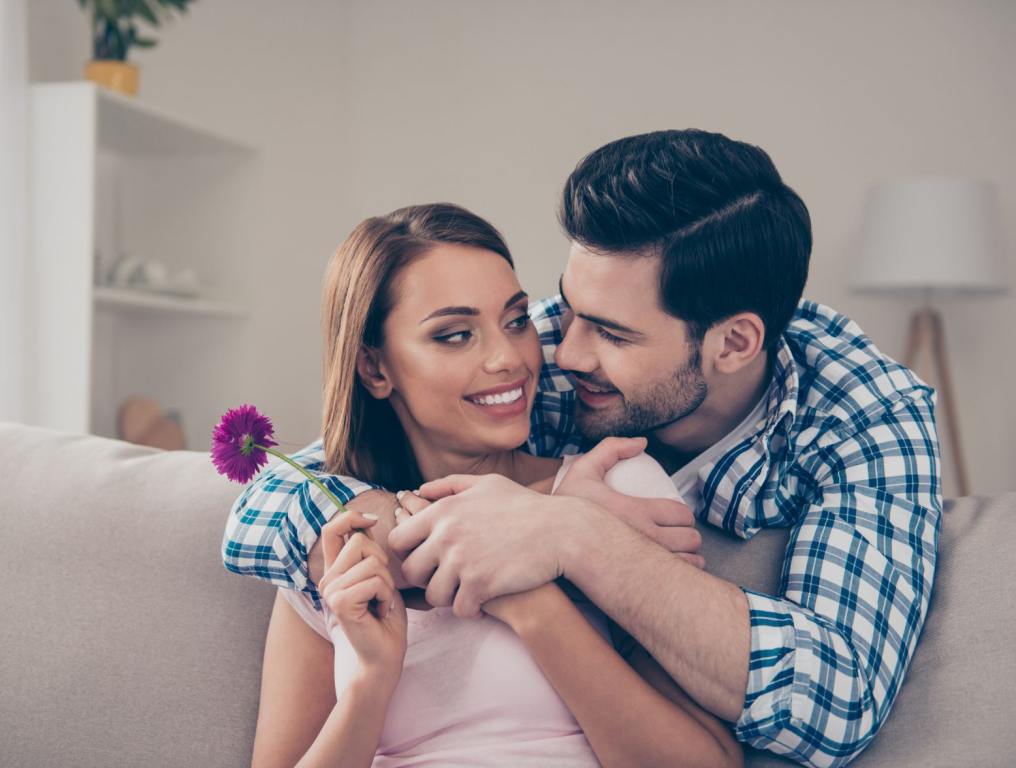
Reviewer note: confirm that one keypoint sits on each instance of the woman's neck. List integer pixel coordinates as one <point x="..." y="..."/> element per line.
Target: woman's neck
<point x="516" y="465"/>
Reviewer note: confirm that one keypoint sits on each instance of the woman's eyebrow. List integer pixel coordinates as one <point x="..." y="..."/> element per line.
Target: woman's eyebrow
<point x="516" y="299"/>
<point x="445" y="311"/>
<point x="472" y="311"/>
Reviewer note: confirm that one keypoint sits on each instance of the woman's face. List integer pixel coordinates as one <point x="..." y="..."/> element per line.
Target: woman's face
<point x="459" y="352"/>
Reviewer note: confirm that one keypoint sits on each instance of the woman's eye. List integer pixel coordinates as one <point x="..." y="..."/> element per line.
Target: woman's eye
<point x="617" y="341"/>
<point x="459" y="337"/>
<point x="520" y="322"/>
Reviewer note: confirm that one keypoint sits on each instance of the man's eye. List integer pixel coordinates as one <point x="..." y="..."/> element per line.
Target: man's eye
<point x="520" y="322"/>
<point x="617" y="341"/>
<point x="459" y="337"/>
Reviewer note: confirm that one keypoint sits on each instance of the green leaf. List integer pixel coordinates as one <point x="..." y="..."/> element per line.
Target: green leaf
<point x="144" y="42"/>
<point x="107" y="9"/>
<point x="142" y="8"/>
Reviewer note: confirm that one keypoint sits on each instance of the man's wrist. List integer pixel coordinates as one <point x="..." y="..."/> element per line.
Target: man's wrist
<point x="586" y="526"/>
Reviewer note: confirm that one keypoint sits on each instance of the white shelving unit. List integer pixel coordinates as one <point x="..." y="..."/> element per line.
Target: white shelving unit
<point x="126" y="299"/>
<point x="112" y="176"/>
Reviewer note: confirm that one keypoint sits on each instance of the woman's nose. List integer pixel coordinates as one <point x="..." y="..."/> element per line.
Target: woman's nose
<point x="503" y="355"/>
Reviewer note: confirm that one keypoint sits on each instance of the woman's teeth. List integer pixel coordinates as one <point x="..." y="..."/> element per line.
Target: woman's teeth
<point x="500" y="399"/>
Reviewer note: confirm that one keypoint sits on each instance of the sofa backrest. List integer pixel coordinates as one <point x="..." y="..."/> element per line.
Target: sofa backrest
<point x="124" y="641"/>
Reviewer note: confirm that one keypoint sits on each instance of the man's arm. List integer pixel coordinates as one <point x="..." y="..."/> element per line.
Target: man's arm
<point x="823" y="661"/>
<point x="278" y="517"/>
<point x="811" y="673"/>
<point x="693" y="623"/>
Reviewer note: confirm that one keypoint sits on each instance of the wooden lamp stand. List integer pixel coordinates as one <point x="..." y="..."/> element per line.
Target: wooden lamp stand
<point x="926" y="337"/>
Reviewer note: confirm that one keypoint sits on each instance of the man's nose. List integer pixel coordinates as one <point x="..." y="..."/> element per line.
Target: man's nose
<point x="571" y="355"/>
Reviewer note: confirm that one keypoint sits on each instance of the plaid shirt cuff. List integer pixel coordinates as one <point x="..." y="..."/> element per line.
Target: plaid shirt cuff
<point x="274" y="523"/>
<point x="807" y="697"/>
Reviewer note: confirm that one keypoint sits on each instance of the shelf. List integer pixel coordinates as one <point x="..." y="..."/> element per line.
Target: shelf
<point x="111" y="175"/>
<point x="132" y="128"/>
<point x="129" y="127"/>
<point x="124" y="298"/>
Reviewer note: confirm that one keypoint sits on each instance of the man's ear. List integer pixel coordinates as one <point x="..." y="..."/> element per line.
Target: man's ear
<point x="371" y="371"/>
<point x="742" y="338"/>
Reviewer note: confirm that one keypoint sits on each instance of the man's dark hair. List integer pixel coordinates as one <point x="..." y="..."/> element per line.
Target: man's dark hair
<point x="733" y="237"/>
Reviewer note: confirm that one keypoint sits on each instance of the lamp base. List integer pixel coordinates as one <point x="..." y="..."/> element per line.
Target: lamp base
<point x="926" y="336"/>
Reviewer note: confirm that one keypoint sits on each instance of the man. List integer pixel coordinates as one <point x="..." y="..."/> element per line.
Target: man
<point x="679" y="319"/>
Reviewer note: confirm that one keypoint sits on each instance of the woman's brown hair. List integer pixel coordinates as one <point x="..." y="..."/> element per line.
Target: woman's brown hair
<point x="362" y="435"/>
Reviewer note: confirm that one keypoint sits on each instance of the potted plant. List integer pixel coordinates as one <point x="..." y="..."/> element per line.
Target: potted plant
<point x="115" y="32"/>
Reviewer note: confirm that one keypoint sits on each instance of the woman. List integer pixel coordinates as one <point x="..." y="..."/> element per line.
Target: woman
<point x="431" y="366"/>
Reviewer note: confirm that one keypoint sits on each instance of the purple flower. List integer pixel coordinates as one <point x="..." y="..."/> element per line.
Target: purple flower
<point x="239" y="443"/>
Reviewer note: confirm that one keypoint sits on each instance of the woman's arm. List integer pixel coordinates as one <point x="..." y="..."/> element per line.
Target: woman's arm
<point x="361" y="595"/>
<point x="350" y="736"/>
<point x="296" y="692"/>
<point x="631" y="716"/>
<point x="299" y="720"/>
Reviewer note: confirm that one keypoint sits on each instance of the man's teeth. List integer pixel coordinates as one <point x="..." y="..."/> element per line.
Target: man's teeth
<point x="500" y="399"/>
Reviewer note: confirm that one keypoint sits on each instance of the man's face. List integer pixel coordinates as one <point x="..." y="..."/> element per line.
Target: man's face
<point x="635" y="368"/>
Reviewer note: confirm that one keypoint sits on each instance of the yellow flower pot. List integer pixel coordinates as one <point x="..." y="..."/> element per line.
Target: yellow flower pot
<point x="116" y="75"/>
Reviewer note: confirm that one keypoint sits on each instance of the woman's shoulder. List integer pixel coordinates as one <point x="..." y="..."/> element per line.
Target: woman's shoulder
<point x="640" y="476"/>
<point x="302" y="604"/>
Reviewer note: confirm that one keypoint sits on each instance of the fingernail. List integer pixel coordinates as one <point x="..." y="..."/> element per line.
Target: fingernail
<point x="398" y="513"/>
<point x="399" y="495"/>
<point x="370" y="516"/>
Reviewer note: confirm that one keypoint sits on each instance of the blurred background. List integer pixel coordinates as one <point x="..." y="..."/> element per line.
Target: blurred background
<point x="163" y="252"/>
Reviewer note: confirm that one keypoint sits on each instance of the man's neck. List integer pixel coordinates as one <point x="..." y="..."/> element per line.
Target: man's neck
<point x="728" y="403"/>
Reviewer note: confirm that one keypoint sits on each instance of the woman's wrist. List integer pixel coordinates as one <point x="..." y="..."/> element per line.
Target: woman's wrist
<point x="536" y="608"/>
<point x="374" y="686"/>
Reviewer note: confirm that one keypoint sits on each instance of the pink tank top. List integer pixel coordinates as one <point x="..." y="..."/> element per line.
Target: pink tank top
<point x="470" y="693"/>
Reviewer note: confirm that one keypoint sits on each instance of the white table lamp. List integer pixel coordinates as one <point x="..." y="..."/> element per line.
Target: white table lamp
<point x="932" y="236"/>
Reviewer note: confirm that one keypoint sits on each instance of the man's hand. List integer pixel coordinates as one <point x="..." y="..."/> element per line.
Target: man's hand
<point x="482" y="537"/>
<point x="669" y="523"/>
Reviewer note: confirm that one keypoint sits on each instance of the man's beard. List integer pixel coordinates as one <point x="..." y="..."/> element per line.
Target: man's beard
<point x="666" y="401"/>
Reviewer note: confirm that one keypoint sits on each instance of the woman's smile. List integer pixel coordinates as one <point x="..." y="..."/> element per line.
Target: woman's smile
<point x="504" y="401"/>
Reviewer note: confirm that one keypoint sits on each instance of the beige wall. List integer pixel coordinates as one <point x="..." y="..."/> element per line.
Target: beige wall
<point x="359" y="107"/>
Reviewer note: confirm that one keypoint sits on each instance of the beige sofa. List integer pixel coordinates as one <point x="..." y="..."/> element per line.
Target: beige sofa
<point x="125" y="642"/>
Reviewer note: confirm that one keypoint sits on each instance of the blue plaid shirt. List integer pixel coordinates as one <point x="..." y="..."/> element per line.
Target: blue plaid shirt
<point x="847" y="458"/>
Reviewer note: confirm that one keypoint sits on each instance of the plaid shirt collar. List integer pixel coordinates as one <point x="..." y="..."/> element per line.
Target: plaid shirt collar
<point x="729" y="498"/>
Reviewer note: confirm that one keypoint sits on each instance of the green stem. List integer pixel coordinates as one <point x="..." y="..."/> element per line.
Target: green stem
<point x="310" y="477"/>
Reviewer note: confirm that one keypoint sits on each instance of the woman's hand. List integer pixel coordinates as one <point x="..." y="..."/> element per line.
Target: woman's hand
<point x="361" y="593"/>
<point x="409" y="505"/>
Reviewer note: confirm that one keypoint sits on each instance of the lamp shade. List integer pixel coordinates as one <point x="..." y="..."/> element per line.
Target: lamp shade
<point x="931" y="235"/>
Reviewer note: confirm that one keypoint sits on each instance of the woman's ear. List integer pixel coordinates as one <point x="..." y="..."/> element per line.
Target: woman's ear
<point x="370" y="369"/>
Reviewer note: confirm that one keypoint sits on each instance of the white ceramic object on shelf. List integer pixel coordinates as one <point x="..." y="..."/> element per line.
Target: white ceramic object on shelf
<point x="152" y="276"/>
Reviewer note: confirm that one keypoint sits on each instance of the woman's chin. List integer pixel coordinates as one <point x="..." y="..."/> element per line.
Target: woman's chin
<point x="507" y="437"/>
